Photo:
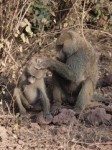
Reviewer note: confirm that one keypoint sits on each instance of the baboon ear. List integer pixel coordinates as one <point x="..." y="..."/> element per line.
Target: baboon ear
<point x="59" y="47"/>
<point x="38" y="60"/>
<point x="57" y="35"/>
<point x="31" y="80"/>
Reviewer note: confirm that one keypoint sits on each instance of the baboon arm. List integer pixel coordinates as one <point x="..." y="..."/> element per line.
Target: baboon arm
<point x="25" y="101"/>
<point x="62" y="69"/>
<point x="17" y="95"/>
<point x="22" y="80"/>
<point x="45" y="99"/>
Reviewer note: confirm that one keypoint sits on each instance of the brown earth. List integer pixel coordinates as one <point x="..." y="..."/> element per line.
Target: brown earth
<point x="70" y="130"/>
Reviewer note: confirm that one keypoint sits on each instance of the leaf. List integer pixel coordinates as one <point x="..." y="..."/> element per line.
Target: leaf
<point x="65" y="25"/>
<point x="1" y="45"/>
<point x="46" y="2"/>
<point x="36" y="12"/>
<point x="1" y="102"/>
<point x="16" y="33"/>
<point x="28" y="30"/>
<point x="52" y="13"/>
<point x="24" y="38"/>
<point x="24" y="23"/>
<point x="16" y="126"/>
<point x="27" y="22"/>
<point x="44" y="21"/>
<point x="21" y="49"/>
<point x="27" y="41"/>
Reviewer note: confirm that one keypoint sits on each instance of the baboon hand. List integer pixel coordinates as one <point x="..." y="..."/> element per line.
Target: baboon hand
<point x="42" y="63"/>
<point x="48" y="117"/>
<point x="23" y="111"/>
<point x="29" y="106"/>
<point x="55" y="109"/>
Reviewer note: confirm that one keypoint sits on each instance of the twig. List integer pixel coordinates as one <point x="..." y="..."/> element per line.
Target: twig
<point x="6" y="116"/>
<point x="9" y="53"/>
<point x="91" y="144"/>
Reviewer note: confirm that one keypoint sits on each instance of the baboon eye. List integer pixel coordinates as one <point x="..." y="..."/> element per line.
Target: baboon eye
<point x="33" y="76"/>
<point x="38" y="60"/>
<point x="58" y="47"/>
<point x="28" y="75"/>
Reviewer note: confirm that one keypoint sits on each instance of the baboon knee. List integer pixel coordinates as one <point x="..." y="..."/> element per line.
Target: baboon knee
<point x="85" y="94"/>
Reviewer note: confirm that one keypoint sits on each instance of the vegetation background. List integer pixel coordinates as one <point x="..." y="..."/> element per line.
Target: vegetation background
<point x="29" y="27"/>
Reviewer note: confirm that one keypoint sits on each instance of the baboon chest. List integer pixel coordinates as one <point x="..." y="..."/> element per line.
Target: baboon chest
<point x="69" y="87"/>
<point x="30" y="93"/>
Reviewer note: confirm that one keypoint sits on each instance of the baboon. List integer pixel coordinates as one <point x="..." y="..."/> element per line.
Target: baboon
<point x="31" y="88"/>
<point x="75" y="70"/>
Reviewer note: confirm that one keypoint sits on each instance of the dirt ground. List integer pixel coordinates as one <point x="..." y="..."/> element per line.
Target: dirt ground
<point x="31" y="136"/>
<point x="90" y="132"/>
<point x="90" y="129"/>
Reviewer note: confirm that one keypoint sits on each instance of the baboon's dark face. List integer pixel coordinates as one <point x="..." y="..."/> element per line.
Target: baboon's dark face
<point x="61" y="55"/>
<point x="64" y="46"/>
<point x="34" y="73"/>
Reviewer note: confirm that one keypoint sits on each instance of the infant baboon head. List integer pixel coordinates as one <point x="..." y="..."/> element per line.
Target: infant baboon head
<point x="33" y="72"/>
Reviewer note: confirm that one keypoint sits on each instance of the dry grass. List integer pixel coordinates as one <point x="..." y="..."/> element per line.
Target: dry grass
<point x="13" y="56"/>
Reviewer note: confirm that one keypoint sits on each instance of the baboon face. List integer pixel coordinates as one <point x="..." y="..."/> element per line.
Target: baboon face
<point x="33" y="72"/>
<point x="36" y="73"/>
<point x="31" y="79"/>
<point x="61" y="55"/>
<point x="65" y="45"/>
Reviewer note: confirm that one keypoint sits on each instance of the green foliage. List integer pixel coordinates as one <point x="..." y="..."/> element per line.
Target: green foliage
<point x="99" y="16"/>
<point x="24" y="31"/>
<point x="38" y="18"/>
<point x="41" y="12"/>
<point x="98" y="12"/>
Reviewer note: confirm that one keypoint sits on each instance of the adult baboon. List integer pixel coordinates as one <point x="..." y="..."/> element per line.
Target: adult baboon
<point x="75" y="71"/>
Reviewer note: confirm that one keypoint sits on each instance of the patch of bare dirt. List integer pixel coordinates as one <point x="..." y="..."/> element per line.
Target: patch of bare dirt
<point x="69" y="130"/>
<point x="91" y="129"/>
<point x="20" y="133"/>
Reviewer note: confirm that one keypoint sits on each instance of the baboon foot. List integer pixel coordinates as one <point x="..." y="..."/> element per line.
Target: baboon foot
<point x="23" y="111"/>
<point x="48" y="118"/>
<point x="55" y="109"/>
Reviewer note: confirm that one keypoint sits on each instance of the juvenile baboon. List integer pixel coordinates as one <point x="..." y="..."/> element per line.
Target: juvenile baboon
<point x="75" y="72"/>
<point x="31" y="88"/>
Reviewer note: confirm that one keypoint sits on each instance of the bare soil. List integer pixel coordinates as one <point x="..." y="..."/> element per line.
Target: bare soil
<point x="90" y="130"/>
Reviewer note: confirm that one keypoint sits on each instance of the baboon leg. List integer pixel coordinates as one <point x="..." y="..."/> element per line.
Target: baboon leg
<point x="57" y="97"/>
<point x="46" y="104"/>
<point x="57" y="101"/>
<point x="45" y="101"/>
<point x="85" y="95"/>
<point x="25" y="102"/>
<point x="17" y="94"/>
